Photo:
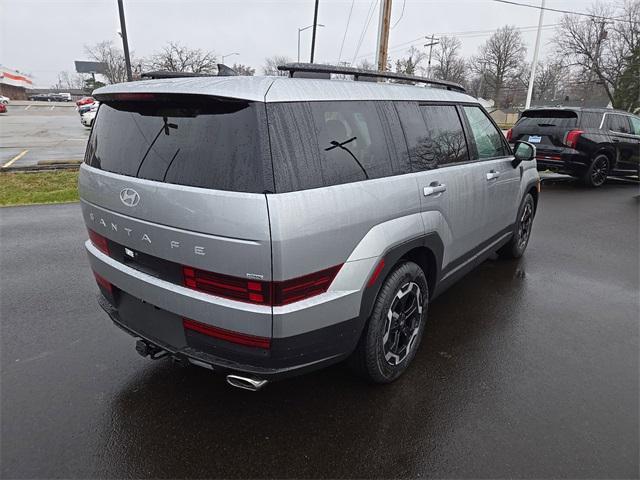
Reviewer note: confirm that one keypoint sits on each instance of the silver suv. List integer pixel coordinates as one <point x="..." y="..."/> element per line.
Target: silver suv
<point x="266" y="226"/>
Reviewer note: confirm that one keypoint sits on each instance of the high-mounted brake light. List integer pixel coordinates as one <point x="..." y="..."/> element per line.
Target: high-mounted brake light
<point x="99" y="242"/>
<point x="227" y="335"/>
<point x="128" y="97"/>
<point x="509" y="134"/>
<point x="258" y="292"/>
<point x="572" y="138"/>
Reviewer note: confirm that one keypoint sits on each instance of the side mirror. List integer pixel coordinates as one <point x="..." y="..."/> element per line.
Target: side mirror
<point x="523" y="151"/>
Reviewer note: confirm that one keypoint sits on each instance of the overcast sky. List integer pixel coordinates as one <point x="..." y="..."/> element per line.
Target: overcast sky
<point x="43" y="37"/>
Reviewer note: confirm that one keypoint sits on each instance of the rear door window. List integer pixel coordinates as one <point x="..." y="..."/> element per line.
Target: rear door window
<point x="316" y="144"/>
<point x="617" y="123"/>
<point x="434" y="135"/>
<point x="489" y="141"/>
<point x="201" y="143"/>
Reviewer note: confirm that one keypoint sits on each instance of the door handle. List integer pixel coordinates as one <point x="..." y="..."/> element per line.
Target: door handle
<point x="492" y="175"/>
<point x="615" y="140"/>
<point x="434" y="189"/>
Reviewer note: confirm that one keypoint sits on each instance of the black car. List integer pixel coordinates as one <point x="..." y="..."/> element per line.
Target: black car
<point x="586" y="143"/>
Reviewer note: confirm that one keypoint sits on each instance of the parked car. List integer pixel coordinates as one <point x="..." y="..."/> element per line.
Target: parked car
<point x="262" y="227"/>
<point x="590" y="144"/>
<point x="4" y="100"/>
<point x="88" y="117"/>
<point x="60" y="97"/>
<point x="82" y="109"/>
<point x="40" y="97"/>
<point x="3" y="108"/>
<point x="85" y="101"/>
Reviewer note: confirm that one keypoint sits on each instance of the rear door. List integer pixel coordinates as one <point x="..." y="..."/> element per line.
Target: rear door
<point x="501" y="180"/>
<point x="625" y="141"/>
<point x="450" y="184"/>
<point x="180" y="181"/>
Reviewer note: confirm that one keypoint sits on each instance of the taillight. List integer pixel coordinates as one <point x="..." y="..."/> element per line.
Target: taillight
<point x="227" y="335"/>
<point x="226" y="286"/>
<point x="304" y="287"/>
<point x="104" y="283"/>
<point x="509" y="134"/>
<point x="572" y="138"/>
<point x="258" y="292"/>
<point x="99" y="242"/>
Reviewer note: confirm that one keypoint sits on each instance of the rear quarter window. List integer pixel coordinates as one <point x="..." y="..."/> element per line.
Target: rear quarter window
<point x="319" y="144"/>
<point x="201" y="143"/>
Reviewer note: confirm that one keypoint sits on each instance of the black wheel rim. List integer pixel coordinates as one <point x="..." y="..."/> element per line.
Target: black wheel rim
<point x="524" y="226"/>
<point x="402" y="323"/>
<point x="599" y="170"/>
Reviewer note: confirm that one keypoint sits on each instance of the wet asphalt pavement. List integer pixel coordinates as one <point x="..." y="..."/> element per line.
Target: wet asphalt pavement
<point x="527" y="369"/>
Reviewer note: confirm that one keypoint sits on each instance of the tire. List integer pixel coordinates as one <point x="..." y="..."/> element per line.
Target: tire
<point x="520" y="239"/>
<point x="596" y="174"/>
<point x="404" y="291"/>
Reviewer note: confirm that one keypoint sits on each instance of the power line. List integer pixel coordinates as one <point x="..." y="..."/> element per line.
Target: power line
<point x="401" y="15"/>
<point x="370" y="14"/>
<point x="558" y="10"/>
<point x="346" y="29"/>
<point x="460" y="34"/>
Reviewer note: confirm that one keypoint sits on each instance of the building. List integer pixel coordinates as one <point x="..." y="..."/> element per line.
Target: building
<point x="14" y="84"/>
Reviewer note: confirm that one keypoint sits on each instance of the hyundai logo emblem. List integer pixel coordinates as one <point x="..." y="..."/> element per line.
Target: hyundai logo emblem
<point x="129" y="197"/>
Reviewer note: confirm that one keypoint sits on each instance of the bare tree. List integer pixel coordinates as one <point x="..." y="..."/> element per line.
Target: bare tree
<point x="603" y="47"/>
<point x="270" y="66"/>
<point x="244" y="70"/>
<point x="448" y="63"/>
<point x="68" y="81"/>
<point x="175" y="57"/>
<point x="112" y="57"/>
<point x="500" y="59"/>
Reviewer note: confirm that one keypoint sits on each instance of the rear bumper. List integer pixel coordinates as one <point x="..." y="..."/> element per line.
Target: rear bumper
<point x="565" y="160"/>
<point x="153" y="310"/>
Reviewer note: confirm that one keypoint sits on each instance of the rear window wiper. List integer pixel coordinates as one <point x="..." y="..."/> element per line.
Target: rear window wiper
<point x="341" y="145"/>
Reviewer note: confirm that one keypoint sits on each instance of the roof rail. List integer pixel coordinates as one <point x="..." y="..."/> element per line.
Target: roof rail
<point x="223" y="71"/>
<point x="324" y="70"/>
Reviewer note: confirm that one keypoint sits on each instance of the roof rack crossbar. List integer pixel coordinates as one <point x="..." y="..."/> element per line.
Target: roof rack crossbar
<point x="223" y="71"/>
<point x="293" y="68"/>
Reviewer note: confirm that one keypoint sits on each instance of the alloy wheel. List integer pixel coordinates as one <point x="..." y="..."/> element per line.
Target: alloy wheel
<point x="403" y="323"/>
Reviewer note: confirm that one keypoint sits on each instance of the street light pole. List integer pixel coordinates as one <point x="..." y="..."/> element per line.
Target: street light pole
<point x="302" y="30"/>
<point x="125" y="42"/>
<point x="228" y="55"/>
<point x="535" y="58"/>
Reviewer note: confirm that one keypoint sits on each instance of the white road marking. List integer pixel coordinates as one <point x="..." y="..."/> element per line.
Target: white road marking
<point x="15" y="159"/>
<point x="52" y="107"/>
<point x="27" y="107"/>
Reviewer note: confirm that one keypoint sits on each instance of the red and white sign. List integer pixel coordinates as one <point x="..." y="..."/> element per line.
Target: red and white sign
<point x="17" y="79"/>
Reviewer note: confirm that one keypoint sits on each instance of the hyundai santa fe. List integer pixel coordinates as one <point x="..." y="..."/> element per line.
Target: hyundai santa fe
<point x="262" y="227"/>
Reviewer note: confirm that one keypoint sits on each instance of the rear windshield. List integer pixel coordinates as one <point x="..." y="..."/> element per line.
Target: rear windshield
<point x="200" y="142"/>
<point x="548" y="118"/>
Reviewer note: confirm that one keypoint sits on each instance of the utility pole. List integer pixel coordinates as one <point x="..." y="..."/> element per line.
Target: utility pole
<point x="383" y="34"/>
<point x="125" y="42"/>
<point x="535" y="58"/>
<point x="313" y="37"/>
<point x="434" y="41"/>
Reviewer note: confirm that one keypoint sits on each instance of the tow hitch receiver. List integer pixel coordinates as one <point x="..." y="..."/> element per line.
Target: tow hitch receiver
<point x="150" y="350"/>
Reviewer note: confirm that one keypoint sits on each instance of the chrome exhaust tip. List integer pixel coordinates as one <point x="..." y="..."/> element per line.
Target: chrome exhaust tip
<point x="246" y="383"/>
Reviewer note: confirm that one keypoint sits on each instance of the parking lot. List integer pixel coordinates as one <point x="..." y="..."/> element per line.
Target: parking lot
<point x="39" y="131"/>
<point x="528" y="369"/>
